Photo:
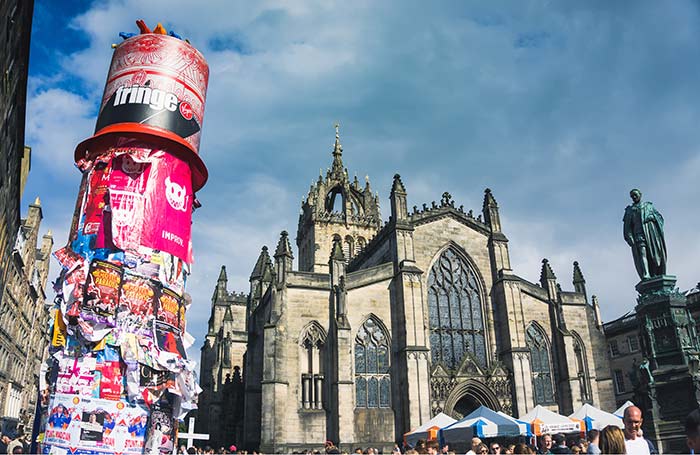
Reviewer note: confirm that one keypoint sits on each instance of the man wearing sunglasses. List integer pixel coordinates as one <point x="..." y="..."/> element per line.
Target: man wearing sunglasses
<point x="495" y="448"/>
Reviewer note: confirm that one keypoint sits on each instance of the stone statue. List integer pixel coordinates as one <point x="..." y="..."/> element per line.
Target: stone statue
<point x="644" y="233"/>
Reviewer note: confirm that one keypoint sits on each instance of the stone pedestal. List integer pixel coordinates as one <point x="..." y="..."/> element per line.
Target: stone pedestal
<point x="670" y="386"/>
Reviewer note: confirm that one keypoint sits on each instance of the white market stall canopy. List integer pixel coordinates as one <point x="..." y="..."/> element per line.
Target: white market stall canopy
<point x="621" y="410"/>
<point x="484" y="423"/>
<point x="595" y="418"/>
<point x="428" y="431"/>
<point x="545" y="421"/>
<point x="524" y="426"/>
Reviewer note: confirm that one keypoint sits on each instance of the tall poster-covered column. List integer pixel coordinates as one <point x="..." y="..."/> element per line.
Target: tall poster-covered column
<point x="118" y="378"/>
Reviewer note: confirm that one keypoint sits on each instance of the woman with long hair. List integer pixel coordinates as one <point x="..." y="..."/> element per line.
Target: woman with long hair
<point x="612" y="440"/>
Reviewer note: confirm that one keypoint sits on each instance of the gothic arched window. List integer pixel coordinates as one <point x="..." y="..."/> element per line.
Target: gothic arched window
<point x="312" y="342"/>
<point x="582" y="369"/>
<point x="455" y="312"/>
<point x="372" y="380"/>
<point x="536" y="342"/>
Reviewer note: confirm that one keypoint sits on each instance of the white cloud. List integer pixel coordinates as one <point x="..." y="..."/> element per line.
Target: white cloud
<point x="559" y="108"/>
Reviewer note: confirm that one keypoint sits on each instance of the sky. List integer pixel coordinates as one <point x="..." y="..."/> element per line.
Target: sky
<point x="559" y="107"/>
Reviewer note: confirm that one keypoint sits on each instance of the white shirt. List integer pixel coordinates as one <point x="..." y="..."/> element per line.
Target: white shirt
<point x="637" y="446"/>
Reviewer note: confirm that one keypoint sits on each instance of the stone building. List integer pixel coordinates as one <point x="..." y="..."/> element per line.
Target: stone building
<point x="14" y="156"/>
<point x="624" y="348"/>
<point x="382" y="325"/>
<point x="24" y="319"/>
<point x="221" y="402"/>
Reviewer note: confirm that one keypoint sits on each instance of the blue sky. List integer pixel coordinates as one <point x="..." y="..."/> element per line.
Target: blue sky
<point x="560" y="107"/>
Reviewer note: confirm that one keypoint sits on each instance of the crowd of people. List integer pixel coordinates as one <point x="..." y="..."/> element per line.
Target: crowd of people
<point x="609" y="440"/>
<point x="14" y="442"/>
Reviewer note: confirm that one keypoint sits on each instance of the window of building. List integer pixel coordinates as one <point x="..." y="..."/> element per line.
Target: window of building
<point x="543" y="389"/>
<point x="582" y="369"/>
<point x="455" y="312"/>
<point x="619" y="382"/>
<point x="312" y="342"/>
<point x="372" y="380"/>
<point x="633" y="343"/>
<point x="348" y="247"/>
<point x="614" y="349"/>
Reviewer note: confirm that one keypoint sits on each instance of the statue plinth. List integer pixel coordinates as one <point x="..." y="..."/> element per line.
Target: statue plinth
<point x="670" y="343"/>
<point x="657" y="285"/>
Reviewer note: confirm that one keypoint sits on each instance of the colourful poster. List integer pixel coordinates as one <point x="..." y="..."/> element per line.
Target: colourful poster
<point x="169" y="340"/>
<point x="97" y="197"/>
<point x="111" y="379"/>
<point x="169" y="307"/>
<point x="94" y="426"/>
<point x="137" y="301"/>
<point x="102" y="288"/>
<point x="161" y="429"/>
<point x="168" y="207"/>
<point x="129" y="174"/>
<point x="126" y="215"/>
<point x="77" y="375"/>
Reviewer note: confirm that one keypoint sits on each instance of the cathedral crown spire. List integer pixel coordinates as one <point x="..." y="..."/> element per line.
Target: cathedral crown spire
<point x="338" y="168"/>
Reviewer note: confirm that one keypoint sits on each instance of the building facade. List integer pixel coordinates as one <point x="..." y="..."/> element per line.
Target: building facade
<point x="220" y="412"/>
<point x="383" y="325"/>
<point x="24" y="319"/>
<point x="14" y="157"/>
<point x="624" y="348"/>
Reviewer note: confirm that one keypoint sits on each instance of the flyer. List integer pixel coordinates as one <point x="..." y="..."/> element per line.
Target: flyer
<point x="167" y="220"/>
<point x="168" y="307"/>
<point x="102" y="289"/>
<point x="96" y="199"/>
<point x="136" y="303"/>
<point x="89" y="426"/>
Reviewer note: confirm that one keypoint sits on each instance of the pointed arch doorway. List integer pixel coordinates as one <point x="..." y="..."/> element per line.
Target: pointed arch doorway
<point x="468" y="396"/>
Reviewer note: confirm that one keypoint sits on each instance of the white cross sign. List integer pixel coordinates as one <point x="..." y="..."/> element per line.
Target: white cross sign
<point x="190" y="436"/>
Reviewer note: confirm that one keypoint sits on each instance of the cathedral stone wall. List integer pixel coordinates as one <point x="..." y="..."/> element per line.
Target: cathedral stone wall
<point x="364" y="283"/>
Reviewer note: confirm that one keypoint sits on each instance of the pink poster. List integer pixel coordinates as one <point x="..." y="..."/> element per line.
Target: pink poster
<point x="168" y="207"/>
<point x="127" y="183"/>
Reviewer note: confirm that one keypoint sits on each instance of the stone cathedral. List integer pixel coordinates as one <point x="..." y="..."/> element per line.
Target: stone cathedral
<point x="384" y="324"/>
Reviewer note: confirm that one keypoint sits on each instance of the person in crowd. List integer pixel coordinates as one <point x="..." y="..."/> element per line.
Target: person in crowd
<point x="475" y="443"/>
<point x="482" y="449"/>
<point x="692" y="431"/>
<point x="359" y="450"/>
<point x="612" y="440"/>
<point x="522" y="448"/>
<point x="545" y="443"/>
<point x="575" y="449"/>
<point x="559" y="445"/>
<point x="495" y="447"/>
<point x="445" y="449"/>
<point x="411" y="452"/>
<point x="509" y="449"/>
<point x="593" y="442"/>
<point x="632" y="419"/>
<point x="15" y="443"/>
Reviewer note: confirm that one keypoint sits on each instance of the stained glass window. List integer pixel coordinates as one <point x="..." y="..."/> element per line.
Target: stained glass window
<point x="372" y="365"/>
<point x="536" y="342"/>
<point x="455" y="312"/>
